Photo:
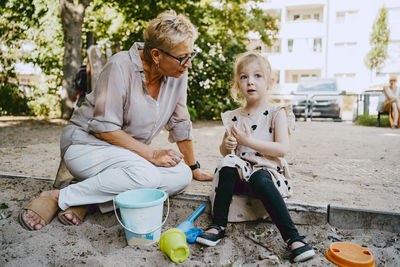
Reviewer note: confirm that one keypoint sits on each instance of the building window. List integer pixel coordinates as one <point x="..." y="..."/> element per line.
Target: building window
<point x="295" y="78"/>
<point x="276" y="76"/>
<point x="298" y="17"/>
<point x="349" y="44"/>
<point x="348" y="17"/>
<point x="275" y="48"/>
<point x="340" y="17"/>
<point x="317" y="45"/>
<point x="290" y="45"/>
<point x="304" y="15"/>
<point x="345" y="75"/>
<point x="305" y="45"/>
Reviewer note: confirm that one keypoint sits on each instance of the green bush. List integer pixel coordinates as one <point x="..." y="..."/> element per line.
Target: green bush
<point x="223" y="28"/>
<point x="12" y="100"/>
<point x="45" y="105"/>
<point x="209" y="81"/>
<point x="44" y="102"/>
<point x="369" y="120"/>
<point x="39" y="102"/>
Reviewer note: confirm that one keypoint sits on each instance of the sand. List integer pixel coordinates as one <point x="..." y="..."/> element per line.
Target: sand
<point x="336" y="163"/>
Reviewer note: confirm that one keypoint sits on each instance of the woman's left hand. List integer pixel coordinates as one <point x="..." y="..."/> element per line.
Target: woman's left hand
<point x="201" y="176"/>
<point x="241" y="137"/>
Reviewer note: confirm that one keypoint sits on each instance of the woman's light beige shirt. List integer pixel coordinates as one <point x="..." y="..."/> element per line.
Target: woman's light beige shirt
<point x="121" y="101"/>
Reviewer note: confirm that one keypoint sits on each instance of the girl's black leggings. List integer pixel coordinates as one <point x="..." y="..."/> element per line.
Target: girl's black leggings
<point x="259" y="185"/>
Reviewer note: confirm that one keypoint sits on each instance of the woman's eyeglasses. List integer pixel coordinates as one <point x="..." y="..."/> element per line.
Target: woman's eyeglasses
<point x="182" y="60"/>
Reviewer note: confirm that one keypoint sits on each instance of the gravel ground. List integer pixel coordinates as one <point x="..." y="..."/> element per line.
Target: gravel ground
<point x="336" y="163"/>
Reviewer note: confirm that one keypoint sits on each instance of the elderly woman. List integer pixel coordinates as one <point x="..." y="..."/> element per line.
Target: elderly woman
<point x="106" y="144"/>
<point x="392" y="102"/>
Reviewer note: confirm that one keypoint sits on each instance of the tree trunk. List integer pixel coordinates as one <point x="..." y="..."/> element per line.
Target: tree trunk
<point x="72" y="20"/>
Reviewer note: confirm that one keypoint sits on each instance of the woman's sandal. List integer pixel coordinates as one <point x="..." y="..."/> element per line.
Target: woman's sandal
<point x="44" y="207"/>
<point x="79" y="212"/>
<point x="210" y="239"/>
<point x="302" y="253"/>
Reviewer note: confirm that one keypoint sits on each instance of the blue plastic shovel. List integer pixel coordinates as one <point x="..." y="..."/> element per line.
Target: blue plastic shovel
<point x="192" y="234"/>
<point x="188" y="224"/>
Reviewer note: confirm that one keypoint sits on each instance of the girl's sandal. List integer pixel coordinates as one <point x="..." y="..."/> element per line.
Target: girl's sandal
<point x="210" y="239"/>
<point x="302" y="253"/>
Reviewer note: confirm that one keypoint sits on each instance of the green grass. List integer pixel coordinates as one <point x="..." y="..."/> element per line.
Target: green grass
<point x="369" y="120"/>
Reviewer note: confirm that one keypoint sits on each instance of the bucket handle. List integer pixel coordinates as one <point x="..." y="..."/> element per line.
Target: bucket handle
<point x="143" y="233"/>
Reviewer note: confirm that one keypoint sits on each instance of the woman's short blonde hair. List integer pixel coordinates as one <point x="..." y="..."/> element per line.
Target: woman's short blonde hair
<point x="166" y="32"/>
<point x="243" y="60"/>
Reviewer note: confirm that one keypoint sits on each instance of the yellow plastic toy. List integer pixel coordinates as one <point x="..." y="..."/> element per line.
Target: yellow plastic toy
<point x="173" y="243"/>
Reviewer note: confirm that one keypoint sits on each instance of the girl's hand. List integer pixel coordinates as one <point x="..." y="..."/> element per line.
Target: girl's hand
<point x="166" y="158"/>
<point x="230" y="143"/>
<point x="241" y="137"/>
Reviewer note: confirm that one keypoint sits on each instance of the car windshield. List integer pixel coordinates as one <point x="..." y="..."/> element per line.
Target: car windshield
<point x="317" y="86"/>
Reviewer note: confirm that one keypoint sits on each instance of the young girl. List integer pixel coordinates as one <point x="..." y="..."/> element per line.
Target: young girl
<point x="254" y="144"/>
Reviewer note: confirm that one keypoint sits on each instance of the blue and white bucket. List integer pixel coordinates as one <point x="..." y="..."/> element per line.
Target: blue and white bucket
<point x="141" y="211"/>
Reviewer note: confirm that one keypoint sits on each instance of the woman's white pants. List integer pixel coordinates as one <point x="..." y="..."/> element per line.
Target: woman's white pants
<point x="106" y="171"/>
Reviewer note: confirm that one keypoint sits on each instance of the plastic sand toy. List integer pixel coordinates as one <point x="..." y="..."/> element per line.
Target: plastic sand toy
<point x="346" y="254"/>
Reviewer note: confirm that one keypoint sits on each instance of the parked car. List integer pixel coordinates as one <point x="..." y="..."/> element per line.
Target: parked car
<point x="317" y="98"/>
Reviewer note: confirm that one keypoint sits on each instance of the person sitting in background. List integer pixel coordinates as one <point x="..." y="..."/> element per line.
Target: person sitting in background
<point x="392" y="102"/>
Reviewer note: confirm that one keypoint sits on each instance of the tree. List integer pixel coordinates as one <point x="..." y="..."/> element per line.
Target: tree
<point x="379" y="40"/>
<point x="72" y="14"/>
<point x="16" y="17"/>
<point x="37" y="23"/>
<point x="57" y="37"/>
<point x="47" y="39"/>
<point x="223" y="27"/>
<point x="30" y="32"/>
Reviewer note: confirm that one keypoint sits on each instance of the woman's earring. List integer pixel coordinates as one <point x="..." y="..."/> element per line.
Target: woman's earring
<point x="157" y="66"/>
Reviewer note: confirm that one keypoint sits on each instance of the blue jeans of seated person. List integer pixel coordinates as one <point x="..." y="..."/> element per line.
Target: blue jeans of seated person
<point x="259" y="185"/>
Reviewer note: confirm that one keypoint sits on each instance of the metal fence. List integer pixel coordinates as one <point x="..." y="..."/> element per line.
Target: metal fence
<point x="364" y="103"/>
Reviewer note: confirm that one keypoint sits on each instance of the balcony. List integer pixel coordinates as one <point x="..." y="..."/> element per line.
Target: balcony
<point x="302" y="29"/>
<point x="308" y="3"/>
<point x="297" y="61"/>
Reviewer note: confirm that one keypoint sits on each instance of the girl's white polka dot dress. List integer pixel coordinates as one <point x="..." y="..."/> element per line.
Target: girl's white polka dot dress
<point x="247" y="160"/>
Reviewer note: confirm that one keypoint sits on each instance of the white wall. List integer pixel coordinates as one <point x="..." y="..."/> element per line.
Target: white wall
<point x="344" y="27"/>
<point x="349" y="42"/>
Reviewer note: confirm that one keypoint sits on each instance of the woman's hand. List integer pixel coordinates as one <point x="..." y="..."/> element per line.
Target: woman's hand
<point x="229" y="143"/>
<point x="166" y="158"/>
<point x="242" y="138"/>
<point x="201" y="176"/>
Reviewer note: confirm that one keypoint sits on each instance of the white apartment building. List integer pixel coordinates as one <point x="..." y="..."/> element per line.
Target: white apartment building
<point x="329" y="39"/>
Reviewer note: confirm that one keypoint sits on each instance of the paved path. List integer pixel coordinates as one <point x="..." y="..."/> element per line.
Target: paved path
<point x="331" y="163"/>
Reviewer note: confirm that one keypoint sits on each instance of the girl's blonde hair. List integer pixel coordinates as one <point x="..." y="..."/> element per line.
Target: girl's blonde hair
<point x="243" y="60"/>
<point x="166" y="32"/>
